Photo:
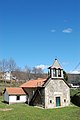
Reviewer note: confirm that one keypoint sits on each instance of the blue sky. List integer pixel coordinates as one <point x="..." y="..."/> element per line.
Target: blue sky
<point x="35" y="32"/>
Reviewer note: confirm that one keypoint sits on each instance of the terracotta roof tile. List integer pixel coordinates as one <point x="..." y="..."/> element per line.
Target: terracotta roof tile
<point x="34" y="83"/>
<point x="15" y="91"/>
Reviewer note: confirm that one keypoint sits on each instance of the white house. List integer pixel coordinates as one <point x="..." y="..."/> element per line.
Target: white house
<point x="14" y="95"/>
<point x="8" y="76"/>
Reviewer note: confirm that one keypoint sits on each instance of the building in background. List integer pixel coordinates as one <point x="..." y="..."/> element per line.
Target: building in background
<point x="8" y="76"/>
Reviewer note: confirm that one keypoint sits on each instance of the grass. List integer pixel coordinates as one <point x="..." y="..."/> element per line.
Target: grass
<point x="25" y="112"/>
<point x="74" y="91"/>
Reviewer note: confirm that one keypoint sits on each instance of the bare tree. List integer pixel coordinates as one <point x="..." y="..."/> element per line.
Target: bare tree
<point x="38" y="72"/>
<point x="28" y="72"/>
<point x="3" y="65"/>
<point x="12" y="65"/>
<point x="3" y="68"/>
<point x="8" y="65"/>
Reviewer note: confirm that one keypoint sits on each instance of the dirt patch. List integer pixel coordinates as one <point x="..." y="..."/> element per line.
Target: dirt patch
<point x="5" y="109"/>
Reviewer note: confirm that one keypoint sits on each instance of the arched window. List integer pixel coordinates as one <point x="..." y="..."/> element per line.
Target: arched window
<point x="59" y="72"/>
<point x="54" y="72"/>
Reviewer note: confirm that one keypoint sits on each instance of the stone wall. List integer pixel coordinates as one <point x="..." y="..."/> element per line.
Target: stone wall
<point x="31" y="92"/>
<point x="56" y="88"/>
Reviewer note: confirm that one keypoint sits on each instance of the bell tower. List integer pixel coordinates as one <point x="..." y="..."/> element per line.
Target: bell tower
<point x="55" y="71"/>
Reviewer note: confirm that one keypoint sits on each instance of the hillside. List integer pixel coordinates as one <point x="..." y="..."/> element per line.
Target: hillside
<point x="23" y="76"/>
<point x="73" y="78"/>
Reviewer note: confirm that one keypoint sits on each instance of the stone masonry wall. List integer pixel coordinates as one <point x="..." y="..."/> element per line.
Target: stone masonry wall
<point x="56" y="88"/>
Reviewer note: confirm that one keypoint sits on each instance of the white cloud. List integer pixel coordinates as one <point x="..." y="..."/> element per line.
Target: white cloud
<point x="67" y="30"/>
<point x="75" y="72"/>
<point x="53" y="30"/>
<point x="42" y="66"/>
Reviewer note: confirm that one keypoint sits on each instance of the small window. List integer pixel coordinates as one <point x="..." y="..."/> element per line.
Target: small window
<point x="50" y="101"/>
<point x="64" y="100"/>
<point x="18" y="98"/>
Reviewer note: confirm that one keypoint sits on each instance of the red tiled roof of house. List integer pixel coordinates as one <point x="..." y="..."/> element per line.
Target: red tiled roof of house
<point x="15" y="91"/>
<point x="33" y="83"/>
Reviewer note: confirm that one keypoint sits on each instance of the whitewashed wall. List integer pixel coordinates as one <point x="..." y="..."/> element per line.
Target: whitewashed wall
<point x="13" y="99"/>
<point x="7" y="75"/>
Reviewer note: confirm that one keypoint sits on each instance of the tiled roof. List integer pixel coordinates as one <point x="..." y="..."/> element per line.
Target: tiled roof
<point x="34" y="83"/>
<point x="15" y="91"/>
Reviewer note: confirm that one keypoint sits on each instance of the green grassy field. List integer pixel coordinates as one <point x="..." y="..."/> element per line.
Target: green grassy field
<point x="74" y="91"/>
<point x="25" y="112"/>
